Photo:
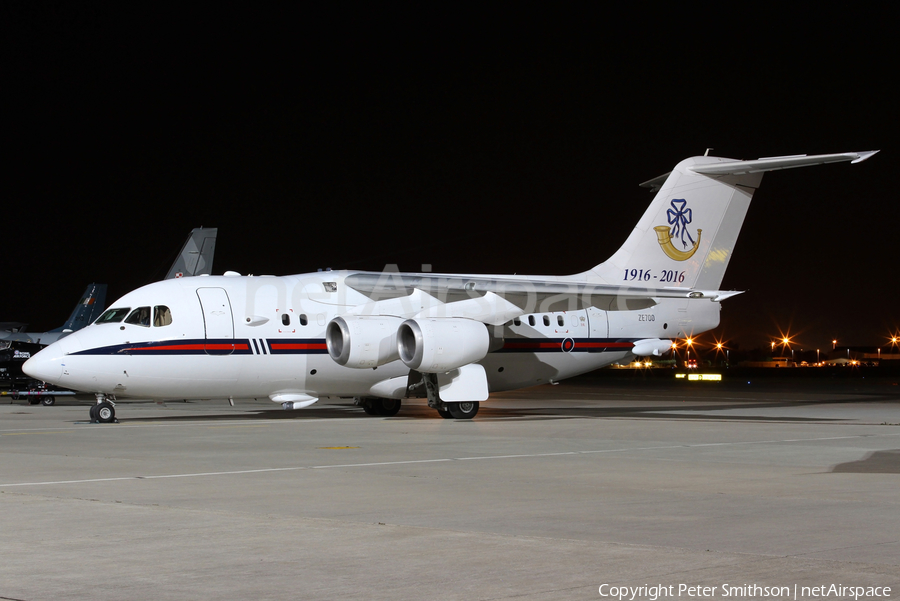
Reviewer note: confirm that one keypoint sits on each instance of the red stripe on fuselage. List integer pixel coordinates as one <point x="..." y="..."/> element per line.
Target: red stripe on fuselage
<point x="297" y="346"/>
<point x="531" y="345"/>
<point x="192" y="347"/>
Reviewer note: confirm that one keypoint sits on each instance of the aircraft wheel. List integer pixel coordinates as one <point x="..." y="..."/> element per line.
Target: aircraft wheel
<point x="105" y="413"/>
<point x="466" y="410"/>
<point x="48" y="401"/>
<point x="381" y="407"/>
<point x="444" y="413"/>
<point x="389" y="407"/>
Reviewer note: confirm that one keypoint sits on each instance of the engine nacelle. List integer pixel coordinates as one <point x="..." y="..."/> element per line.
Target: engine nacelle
<point x="437" y="345"/>
<point x="362" y="341"/>
<point x="651" y="346"/>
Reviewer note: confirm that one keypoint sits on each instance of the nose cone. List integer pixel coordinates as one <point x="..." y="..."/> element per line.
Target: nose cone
<point x="48" y="364"/>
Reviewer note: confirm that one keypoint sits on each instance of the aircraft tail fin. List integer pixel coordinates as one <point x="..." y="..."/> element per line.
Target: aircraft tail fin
<point x="196" y="257"/>
<point x="87" y="310"/>
<point x="686" y="237"/>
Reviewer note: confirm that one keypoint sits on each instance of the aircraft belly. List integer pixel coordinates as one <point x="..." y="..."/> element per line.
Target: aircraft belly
<point x="509" y="371"/>
<point x="332" y="379"/>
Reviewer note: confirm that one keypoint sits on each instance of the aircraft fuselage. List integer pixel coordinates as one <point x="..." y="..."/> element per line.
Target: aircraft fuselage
<point x="254" y="337"/>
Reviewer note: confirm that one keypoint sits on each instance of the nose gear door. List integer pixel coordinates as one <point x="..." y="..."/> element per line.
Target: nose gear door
<point x="217" y="320"/>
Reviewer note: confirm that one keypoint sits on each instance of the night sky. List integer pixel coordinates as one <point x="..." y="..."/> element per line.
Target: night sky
<point x="497" y="141"/>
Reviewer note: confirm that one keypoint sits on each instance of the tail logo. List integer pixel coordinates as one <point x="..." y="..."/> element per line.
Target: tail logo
<point x="679" y="216"/>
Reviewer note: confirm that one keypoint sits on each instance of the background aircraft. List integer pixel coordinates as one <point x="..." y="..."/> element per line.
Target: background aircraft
<point x="195" y="258"/>
<point x="88" y="308"/>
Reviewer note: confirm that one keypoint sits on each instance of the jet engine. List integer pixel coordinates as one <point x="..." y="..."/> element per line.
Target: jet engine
<point x="362" y="341"/>
<point x="438" y="345"/>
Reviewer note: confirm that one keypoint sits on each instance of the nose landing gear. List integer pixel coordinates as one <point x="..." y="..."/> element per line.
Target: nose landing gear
<point x="104" y="411"/>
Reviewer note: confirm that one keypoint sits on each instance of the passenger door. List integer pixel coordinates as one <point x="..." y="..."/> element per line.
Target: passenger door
<point x="217" y="320"/>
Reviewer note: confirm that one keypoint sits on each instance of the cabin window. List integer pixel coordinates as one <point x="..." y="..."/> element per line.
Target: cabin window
<point x="303" y="319"/>
<point x="560" y="320"/>
<point x="161" y="316"/>
<point x="113" y="315"/>
<point x="546" y="320"/>
<point x="517" y="321"/>
<point x="531" y="320"/>
<point x="285" y="319"/>
<point x="139" y="317"/>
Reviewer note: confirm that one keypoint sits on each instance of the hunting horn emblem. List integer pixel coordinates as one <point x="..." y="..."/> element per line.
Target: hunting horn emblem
<point x="679" y="217"/>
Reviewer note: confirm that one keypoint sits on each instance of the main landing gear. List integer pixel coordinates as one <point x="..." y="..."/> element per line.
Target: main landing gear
<point x="464" y="410"/>
<point x="104" y="411"/>
<point x="380" y="407"/>
<point x="390" y="407"/>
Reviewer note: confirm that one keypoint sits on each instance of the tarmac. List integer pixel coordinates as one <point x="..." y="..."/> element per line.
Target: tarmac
<point x="549" y="493"/>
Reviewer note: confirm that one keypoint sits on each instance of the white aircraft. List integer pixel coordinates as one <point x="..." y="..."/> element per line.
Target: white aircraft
<point x="383" y="337"/>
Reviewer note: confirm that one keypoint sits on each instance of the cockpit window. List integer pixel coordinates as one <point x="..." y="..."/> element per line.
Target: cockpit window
<point x="161" y="316"/>
<point x="139" y="317"/>
<point x="113" y="315"/>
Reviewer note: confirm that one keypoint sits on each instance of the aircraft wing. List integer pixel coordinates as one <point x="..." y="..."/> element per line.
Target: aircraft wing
<point x="495" y="300"/>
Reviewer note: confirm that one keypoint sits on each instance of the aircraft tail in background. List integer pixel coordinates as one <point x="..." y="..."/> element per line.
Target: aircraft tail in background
<point x="87" y="310"/>
<point x="196" y="257"/>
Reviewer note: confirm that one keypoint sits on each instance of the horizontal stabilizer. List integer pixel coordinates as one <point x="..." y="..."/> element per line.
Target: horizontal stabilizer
<point x="730" y="167"/>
